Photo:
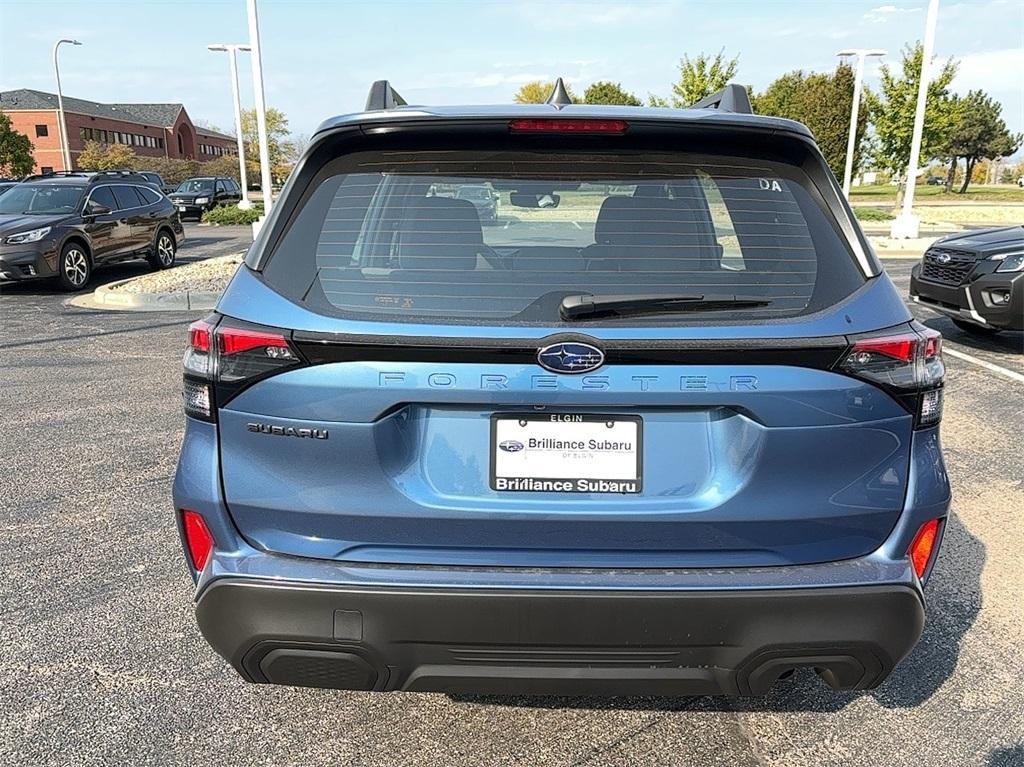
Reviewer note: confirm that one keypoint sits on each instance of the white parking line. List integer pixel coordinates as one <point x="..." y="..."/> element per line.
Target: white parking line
<point x="577" y="226"/>
<point x="1013" y="375"/>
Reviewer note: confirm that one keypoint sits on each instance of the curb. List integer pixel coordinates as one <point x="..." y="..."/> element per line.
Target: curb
<point x="106" y="297"/>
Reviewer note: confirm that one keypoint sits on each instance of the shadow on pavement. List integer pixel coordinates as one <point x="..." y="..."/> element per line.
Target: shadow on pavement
<point x="1010" y="756"/>
<point x="954" y="599"/>
<point x="100" y="276"/>
<point x="1004" y="342"/>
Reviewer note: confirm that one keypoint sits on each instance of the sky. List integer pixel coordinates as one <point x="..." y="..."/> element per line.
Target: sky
<point x="320" y="56"/>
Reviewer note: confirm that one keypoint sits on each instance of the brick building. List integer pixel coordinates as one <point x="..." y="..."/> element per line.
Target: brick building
<point x="151" y="130"/>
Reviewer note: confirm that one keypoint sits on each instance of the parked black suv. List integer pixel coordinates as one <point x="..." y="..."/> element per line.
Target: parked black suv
<point x="63" y="225"/>
<point x="157" y="180"/>
<point x="975" y="277"/>
<point x="195" y="196"/>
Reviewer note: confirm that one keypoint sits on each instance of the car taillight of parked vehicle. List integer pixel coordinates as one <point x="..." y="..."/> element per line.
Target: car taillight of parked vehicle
<point x="224" y="357"/>
<point x="907" y="364"/>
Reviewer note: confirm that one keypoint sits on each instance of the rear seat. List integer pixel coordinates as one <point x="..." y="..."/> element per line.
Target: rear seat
<point x="651" y="234"/>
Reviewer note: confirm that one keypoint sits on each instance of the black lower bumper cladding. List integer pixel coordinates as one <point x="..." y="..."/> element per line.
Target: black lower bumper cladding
<point x="973" y="301"/>
<point x="551" y="642"/>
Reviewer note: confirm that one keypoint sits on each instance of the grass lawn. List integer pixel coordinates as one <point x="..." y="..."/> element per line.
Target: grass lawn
<point x="930" y="195"/>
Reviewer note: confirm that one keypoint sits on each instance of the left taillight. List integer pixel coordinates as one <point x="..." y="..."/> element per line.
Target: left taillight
<point x="907" y="364"/>
<point x="224" y="356"/>
<point x="198" y="539"/>
<point x="922" y="549"/>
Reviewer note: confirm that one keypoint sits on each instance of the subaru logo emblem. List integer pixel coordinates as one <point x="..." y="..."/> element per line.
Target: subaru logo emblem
<point x="511" y="445"/>
<point x="943" y="258"/>
<point x="570" y="357"/>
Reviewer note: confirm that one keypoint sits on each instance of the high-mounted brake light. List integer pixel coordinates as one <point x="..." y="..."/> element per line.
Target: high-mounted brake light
<point x="550" y="125"/>
<point x="198" y="538"/>
<point x="923" y="546"/>
<point x="908" y="365"/>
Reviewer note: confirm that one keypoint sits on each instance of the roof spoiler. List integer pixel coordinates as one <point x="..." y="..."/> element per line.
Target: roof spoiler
<point x="732" y="98"/>
<point x="383" y="96"/>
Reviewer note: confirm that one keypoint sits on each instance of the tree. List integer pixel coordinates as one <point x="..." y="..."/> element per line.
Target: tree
<point x="978" y="133"/>
<point x="605" y="92"/>
<point x="15" y="150"/>
<point x="173" y="170"/>
<point x="277" y="139"/>
<point x="892" y="111"/>
<point x="702" y="76"/>
<point x="537" y="92"/>
<point x="96" y="156"/>
<point x="822" y="102"/>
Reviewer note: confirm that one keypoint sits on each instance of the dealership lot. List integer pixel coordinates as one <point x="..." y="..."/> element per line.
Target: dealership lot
<point x="103" y="664"/>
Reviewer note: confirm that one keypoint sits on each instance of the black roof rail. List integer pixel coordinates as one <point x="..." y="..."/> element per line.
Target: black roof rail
<point x="58" y="174"/>
<point x="732" y="98"/>
<point x="559" y="95"/>
<point x="383" y="96"/>
<point x="114" y="173"/>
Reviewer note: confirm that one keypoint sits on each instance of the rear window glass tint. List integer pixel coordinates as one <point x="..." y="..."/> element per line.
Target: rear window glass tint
<point x="400" y="237"/>
<point x="148" y="195"/>
<point x="127" y="197"/>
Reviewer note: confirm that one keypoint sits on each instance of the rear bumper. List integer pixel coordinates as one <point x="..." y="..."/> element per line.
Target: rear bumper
<point x="557" y="642"/>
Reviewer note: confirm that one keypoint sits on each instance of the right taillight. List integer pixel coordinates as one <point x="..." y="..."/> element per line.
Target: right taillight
<point x="907" y="364"/>
<point x="225" y="356"/>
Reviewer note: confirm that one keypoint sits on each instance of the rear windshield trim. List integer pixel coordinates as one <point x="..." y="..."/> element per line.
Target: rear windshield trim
<point x="836" y="254"/>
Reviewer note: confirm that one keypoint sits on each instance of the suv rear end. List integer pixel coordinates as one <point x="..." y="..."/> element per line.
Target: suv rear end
<point x="669" y="431"/>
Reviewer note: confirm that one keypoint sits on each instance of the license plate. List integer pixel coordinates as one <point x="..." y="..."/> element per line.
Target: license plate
<point x="181" y="208"/>
<point x="566" y="453"/>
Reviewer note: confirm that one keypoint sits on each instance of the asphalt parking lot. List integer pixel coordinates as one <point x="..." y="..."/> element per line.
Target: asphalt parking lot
<point x="101" y="661"/>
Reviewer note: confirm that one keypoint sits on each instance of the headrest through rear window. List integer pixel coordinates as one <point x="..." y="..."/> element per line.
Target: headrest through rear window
<point x="440" y="233"/>
<point x="640" y="221"/>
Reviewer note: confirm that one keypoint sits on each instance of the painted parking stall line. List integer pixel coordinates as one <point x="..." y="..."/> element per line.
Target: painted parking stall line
<point x="1013" y="375"/>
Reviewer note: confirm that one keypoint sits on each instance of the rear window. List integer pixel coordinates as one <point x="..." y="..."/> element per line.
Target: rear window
<point x="397" y="237"/>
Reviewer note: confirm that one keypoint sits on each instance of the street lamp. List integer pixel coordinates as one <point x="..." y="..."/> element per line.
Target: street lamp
<point x="858" y="85"/>
<point x="261" y="104"/>
<point x="906" y="225"/>
<point x="232" y="50"/>
<point x="62" y="127"/>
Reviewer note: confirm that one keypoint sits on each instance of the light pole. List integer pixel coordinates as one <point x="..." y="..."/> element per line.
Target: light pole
<point x="858" y="86"/>
<point x="232" y="50"/>
<point x="906" y="225"/>
<point x="261" y="104"/>
<point x="62" y="128"/>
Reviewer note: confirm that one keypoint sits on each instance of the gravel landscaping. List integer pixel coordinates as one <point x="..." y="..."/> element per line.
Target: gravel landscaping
<point x="209" y="276"/>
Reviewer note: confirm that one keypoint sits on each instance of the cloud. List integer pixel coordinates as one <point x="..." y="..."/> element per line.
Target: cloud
<point x="883" y="13"/>
<point x="993" y="71"/>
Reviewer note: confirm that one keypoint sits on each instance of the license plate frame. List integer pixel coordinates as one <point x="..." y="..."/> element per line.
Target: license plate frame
<point x="525" y="481"/>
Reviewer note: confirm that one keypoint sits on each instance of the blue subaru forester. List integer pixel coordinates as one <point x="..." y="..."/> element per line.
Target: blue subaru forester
<point x="664" y="427"/>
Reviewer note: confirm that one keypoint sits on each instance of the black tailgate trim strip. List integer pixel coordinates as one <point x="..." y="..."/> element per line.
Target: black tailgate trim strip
<point x="819" y="353"/>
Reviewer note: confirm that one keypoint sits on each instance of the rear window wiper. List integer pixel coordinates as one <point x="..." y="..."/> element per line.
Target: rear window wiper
<point x="578" y="306"/>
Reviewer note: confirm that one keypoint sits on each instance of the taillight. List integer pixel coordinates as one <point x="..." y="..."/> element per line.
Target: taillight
<point x="551" y="125"/>
<point x="197" y="389"/>
<point x="198" y="538"/>
<point x="907" y="364"/>
<point x="225" y="357"/>
<point x="923" y="546"/>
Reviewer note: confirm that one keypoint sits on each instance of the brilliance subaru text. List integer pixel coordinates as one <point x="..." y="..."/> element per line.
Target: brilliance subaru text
<point x="667" y="430"/>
